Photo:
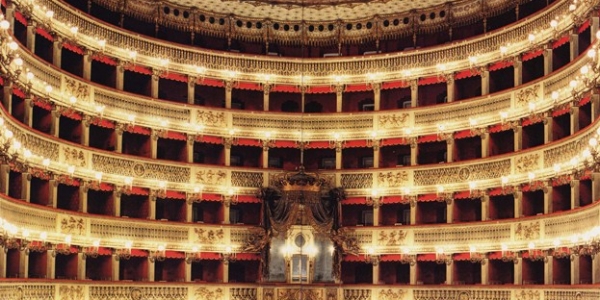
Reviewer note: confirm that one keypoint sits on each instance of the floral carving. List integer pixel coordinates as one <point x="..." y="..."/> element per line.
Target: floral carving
<point x="211" y="118"/>
<point x="210" y="177"/>
<point x="389" y="294"/>
<point x="393" y="238"/>
<point x="74" y="157"/>
<point x="527" y="231"/>
<point x="208" y="236"/>
<point x="527" y="295"/>
<point x="72" y="225"/>
<point x="526" y="95"/>
<point x="208" y="294"/>
<point x="527" y="162"/>
<point x="80" y="90"/>
<point x="392" y="179"/>
<point x="70" y="292"/>
<point x="393" y="121"/>
<point x="297" y="294"/>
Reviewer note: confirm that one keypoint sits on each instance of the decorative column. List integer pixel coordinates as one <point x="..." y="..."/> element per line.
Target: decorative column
<point x="57" y="51"/>
<point x="547" y="189"/>
<point x="53" y="193"/>
<point x="413" y="212"/>
<point x="518" y="69"/>
<point x="413" y="273"/>
<point x="4" y="178"/>
<point x="375" y="262"/>
<point x="485" y="144"/>
<point x="2" y="264"/>
<point x="154" y="83"/>
<point x="116" y="263"/>
<point x="87" y="64"/>
<point x="449" y="148"/>
<point x="414" y="93"/>
<point x="548" y="59"/>
<point x="7" y="95"/>
<point x="595" y="104"/>
<point x="485" y="270"/>
<point x="575" y="269"/>
<point x="26" y="186"/>
<point x="28" y="114"/>
<point x="518" y="137"/>
<point x="594" y="26"/>
<point x="339" y="91"/>
<point x="574" y="119"/>
<point x="376" y="153"/>
<point x="485" y="80"/>
<point x="414" y="151"/>
<point x="450" y="87"/>
<point x="120" y="75"/>
<point x="156" y="133"/>
<point x="31" y="28"/>
<point x="83" y="197"/>
<point x="152" y="205"/>
<point x="150" y="270"/>
<point x="9" y="15"/>
<point x="449" y="272"/>
<point x="55" y="121"/>
<point x="548" y="129"/>
<point x="518" y="196"/>
<point x="574" y="43"/>
<point x="575" y="193"/>
<point x="518" y="272"/>
<point x="266" y="94"/>
<point x="226" y="270"/>
<point x="51" y="264"/>
<point x="485" y="207"/>
<point x="449" y="210"/>
<point x="80" y="266"/>
<point x="595" y="186"/>
<point x="376" y="96"/>
<point x="119" y="129"/>
<point x="191" y="89"/>
<point x="117" y="201"/>
<point x="85" y="130"/>
<point x="596" y="269"/>
<point x="188" y="272"/>
<point x="191" y="139"/>
<point x="265" y="155"/>
<point x="548" y="265"/>
<point x="228" y="90"/>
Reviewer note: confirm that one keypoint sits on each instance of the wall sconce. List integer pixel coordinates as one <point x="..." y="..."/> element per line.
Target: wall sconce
<point x="374" y="199"/>
<point x="371" y="257"/>
<point x="442" y="258"/>
<point x="407" y="258"/>
<point x="560" y="252"/>
<point x="194" y="256"/>
<point x="230" y="197"/>
<point x="507" y="255"/>
<point x="536" y="254"/>
<point x="231" y="139"/>
<point x="197" y="135"/>
<point x="590" y="245"/>
<point x="229" y="255"/>
<point x="443" y="196"/>
<point x="337" y="142"/>
<point x="91" y="251"/>
<point x="9" y="239"/>
<point x="63" y="248"/>
<point x="373" y="141"/>
<point x="476" y="257"/>
<point x="160" y="192"/>
<point x="267" y="141"/>
<point x="474" y="129"/>
<point x="39" y="246"/>
<point x="158" y="254"/>
<point x="124" y="253"/>
<point x="442" y="135"/>
<point x="408" y="197"/>
<point x="474" y="191"/>
<point x="196" y="195"/>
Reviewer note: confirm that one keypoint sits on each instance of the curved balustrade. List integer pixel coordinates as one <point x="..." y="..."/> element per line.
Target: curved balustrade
<point x="568" y="227"/>
<point x="198" y="63"/>
<point x="41" y="289"/>
<point x="98" y="102"/>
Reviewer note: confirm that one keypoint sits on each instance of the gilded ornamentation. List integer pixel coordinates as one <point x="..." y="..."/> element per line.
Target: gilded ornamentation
<point x="392" y="179"/>
<point x="357" y="181"/>
<point x="389" y="294"/>
<point x="524" y="96"/>
<point x="42" y="147"/>
<point x="527" y="231"/>
<point x="393" y="238"/>
<point x="70" y="292"/>
<point x="238" y="293"/>
<point x="211" y="177"/>
<point x="78" y="89"/>
<point x="125" y="167"/>
<point x="299" y="294"/>
<point x="74" y="157"/>
<point x="209" y="236"/>
<point x="527" y="162"/>
<point x="527" y="295"/>
<point x="208" y="294"/>
<point x="211" y="118"/>
<point x="247" y="179"/>
<point x="393" y="121"/>
<point x="256" y="240"/>
<point x="72" y="225"/>
<point x="357" y="294"/>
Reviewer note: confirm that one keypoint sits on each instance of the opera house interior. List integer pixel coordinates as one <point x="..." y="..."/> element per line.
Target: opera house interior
<point x="300" y="149"/>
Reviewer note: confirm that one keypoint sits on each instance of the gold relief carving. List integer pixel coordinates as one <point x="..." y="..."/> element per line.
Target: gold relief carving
<point x="268" y="294"/>
<point x="527" y="95"/>
<point x="80" y="90"/>
<point x="211" y="118"/>
<point x="357" y="181"/>
<point x="139" y="170"/>
<point x="527" y="163"/>
<point x="527" y="231"/>
<point x="394" y="238"/>
<point x="392" y="179"/>
<point x="208" y="236"/>
<point x="297" y="294"/>
<point x="247" y="179"/>
<point x="393" y="121"/>
<point x="527" y="295"/>
<point x="464" y="174"/>
<point x="74" y="157"/>
<point x="42" y="147"/>
<point x="358" y="294"/>
<point x="389" y="294"/>
<point x="208" y="294"/>
<point x="210" y="177"/>
<point x="72" y="225"/>
<point x="70" y="292"/>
